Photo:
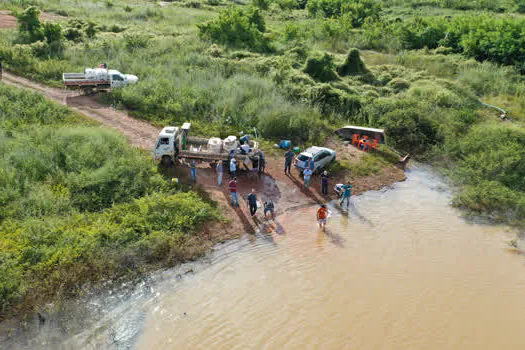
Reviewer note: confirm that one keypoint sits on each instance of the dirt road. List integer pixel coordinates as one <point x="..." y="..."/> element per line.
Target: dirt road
<point x="139" y="133"/>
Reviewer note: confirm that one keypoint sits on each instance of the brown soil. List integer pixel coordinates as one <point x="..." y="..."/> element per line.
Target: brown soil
<point x="286" y="191"/>
<point x="7" y="20"/>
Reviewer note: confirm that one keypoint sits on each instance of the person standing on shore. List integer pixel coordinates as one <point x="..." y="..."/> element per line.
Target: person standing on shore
<point x="288" y="158"/>
<point x="252" y="201"/>
<point x="234" y="200"/>
<point x="324" y="183"/>
<point x="233" y="168"/>
<point x="347" y="193"/>
<point x="219" y="173"/>
<point x="262" y="162"/>
<point x="307" y="174"/>
<point x="193" y="171"/>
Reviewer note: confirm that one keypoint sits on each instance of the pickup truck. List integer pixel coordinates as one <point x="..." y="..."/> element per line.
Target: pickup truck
<point x="97" y="79"/>
<point x="174" y="143"/>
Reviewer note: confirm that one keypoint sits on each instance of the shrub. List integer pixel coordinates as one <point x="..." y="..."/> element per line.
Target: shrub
<point x="399" y="84"/>
<point x="262" y="4"/>
<point x="330" y="100"/>
<point x="354" y="12"/>
<point x="237" y="28"/>
<point x="135" y="41"/>
<point x="29" y="25"/>
<point x="352" y="65"/>
<point x="321" y="68"/>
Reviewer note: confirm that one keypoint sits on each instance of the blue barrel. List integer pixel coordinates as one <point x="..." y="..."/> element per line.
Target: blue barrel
<point x="285" y="143"/>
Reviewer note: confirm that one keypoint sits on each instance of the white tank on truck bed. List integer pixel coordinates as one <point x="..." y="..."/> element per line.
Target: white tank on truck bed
<point x="97" y="78"/>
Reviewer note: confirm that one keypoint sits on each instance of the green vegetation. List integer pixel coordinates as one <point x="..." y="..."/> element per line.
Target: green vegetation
<point x="298" y="70"/>
<point x="78" y="204"/>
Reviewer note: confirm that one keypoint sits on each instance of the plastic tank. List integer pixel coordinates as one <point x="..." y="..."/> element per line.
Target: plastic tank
<point x="230" y="142"/>
<point x="215" y="145"/>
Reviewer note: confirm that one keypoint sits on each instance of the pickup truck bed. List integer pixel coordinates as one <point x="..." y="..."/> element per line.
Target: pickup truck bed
<point x="80" y="80"/>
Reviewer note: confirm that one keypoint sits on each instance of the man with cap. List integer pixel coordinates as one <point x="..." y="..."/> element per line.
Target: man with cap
<point x="324" y="183"/>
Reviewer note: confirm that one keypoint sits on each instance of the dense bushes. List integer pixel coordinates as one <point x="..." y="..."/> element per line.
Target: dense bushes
<point x="321" y="67"/>
<point x="354" y="12"/>
<point x="352" y="64"/>
<point x="482" y="37"/>
<point x="237" y="28"/>
<point x="78" y="204"/>
<point x="491" y="163"/>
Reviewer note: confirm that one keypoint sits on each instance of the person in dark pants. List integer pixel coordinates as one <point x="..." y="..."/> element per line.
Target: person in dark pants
<point x="252" y="201"/>
<point x="288" y="158"/>
<point x="324" y="183"/>
<point x="262" y="162"/>
<point x="193" y="171"/>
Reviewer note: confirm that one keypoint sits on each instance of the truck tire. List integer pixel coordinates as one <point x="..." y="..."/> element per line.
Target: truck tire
<point x="88" y="90"/>
<point x="166" y="161"/>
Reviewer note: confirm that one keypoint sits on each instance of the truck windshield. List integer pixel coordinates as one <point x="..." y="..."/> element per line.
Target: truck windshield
<point x="117" y="77"/>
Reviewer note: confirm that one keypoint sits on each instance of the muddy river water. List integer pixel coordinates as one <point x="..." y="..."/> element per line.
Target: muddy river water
<point x="403" y="270"/>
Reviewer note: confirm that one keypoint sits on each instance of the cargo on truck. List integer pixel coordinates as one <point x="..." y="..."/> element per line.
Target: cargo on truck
<point x="97" y="79"/>
<point x="174" y="143"/>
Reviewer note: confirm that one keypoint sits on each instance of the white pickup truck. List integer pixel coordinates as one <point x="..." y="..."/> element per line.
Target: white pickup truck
<point x="97" y="79"/>
<point x="174" y="143"/>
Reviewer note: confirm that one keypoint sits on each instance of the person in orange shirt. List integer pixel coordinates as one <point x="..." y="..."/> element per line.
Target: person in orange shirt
<point x="322" y="215"/>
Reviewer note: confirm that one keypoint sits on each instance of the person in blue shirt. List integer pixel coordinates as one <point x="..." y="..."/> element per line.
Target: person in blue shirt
<point x="288" y="158"/>
<point x="193" y="171"/>
<point x="347" y="192"/>
<point x="307" y="174"/>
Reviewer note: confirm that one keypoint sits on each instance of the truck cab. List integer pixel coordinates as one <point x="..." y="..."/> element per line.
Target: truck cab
<point x="165" y="148"/>
<point x="119" y="80"/>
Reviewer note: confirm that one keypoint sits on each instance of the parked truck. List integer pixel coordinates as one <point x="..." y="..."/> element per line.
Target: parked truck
<point x="97" y="79"/>
<point x="174" y="143"/>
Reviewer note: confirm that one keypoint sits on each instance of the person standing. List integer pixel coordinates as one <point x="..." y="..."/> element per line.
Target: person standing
<point x="347" y="192"/>
<point x="288" y="158"/>
<point x="262" y="162"/>
<point x="233" y="168"/>
<point x="324" y="183"/>
<point x="234" y="200"/>
<point x="269" y="208"/>
<point x="252" y="201"/>
<point x="255" y="164"/>
<point x="307" y="174"/>
<point x="193" y="171"/>
<point x="219" y="173"/>
<point x="322" y="215"/>
<point x="312" y="164"/>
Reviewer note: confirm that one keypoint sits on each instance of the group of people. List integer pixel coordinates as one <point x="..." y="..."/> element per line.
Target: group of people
<point x="269" y="207"/>
<point x="345" y="190"/>
<point x="257" y="161"/>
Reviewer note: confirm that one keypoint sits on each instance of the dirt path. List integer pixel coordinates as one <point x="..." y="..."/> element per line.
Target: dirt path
<point x="139" y="133"/>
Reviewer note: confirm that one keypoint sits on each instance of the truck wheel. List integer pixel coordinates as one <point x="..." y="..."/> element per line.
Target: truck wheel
<point x="166" y="160"/>
<point x="88" y="91"/>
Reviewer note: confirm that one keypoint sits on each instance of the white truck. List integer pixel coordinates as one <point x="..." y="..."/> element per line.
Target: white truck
<point x="97" y="79"/>
<point x="174" y="143"/>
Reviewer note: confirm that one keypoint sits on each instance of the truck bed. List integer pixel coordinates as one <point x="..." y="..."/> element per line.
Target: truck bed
<point x="80" y="80"/>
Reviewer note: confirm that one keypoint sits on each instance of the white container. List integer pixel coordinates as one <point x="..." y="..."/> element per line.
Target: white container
<point x="215" y="145"/>
<point x="230" y="143"/>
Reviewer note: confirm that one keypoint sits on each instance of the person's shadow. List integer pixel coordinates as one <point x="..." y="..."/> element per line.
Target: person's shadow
<point x="306" y="192"/>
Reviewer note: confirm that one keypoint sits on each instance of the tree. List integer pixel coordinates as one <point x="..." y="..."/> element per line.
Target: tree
<point x="29" y="24"/>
